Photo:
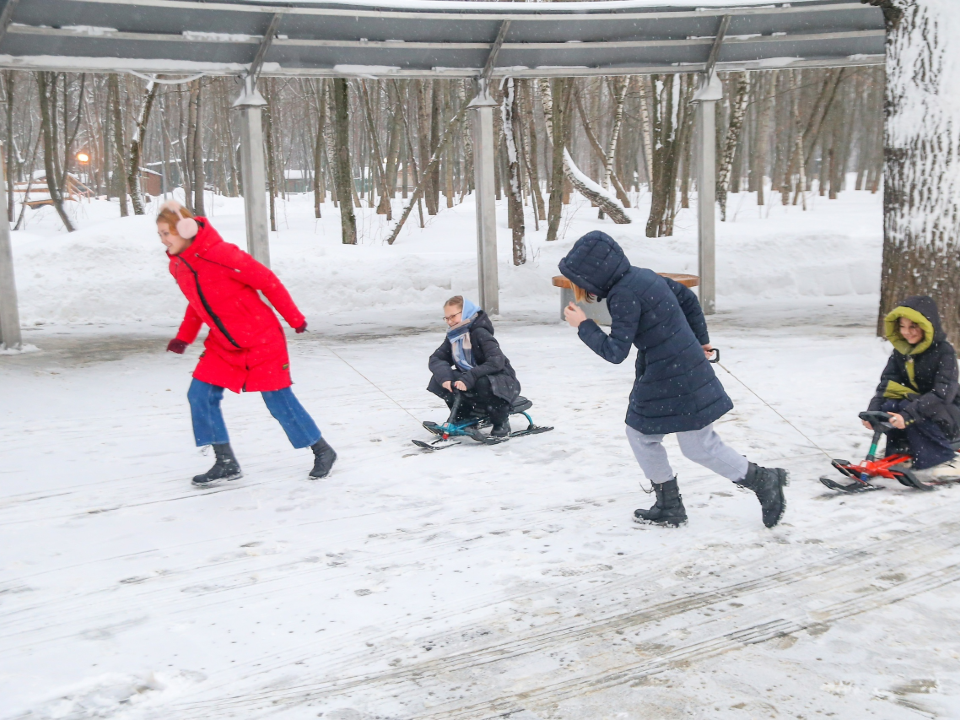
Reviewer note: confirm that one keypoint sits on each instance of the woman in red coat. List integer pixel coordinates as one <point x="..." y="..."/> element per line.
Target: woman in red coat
<point x="245" y="348"/>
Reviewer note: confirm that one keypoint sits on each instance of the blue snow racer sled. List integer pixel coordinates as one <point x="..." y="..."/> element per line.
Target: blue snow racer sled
<point x="448" y="433"/>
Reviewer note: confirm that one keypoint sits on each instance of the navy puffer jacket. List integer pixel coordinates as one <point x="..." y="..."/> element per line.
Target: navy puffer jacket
<point x="675" y="390"/>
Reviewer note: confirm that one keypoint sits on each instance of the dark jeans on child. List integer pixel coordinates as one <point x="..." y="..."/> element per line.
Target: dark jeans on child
<point x="480" y="400"/>
<point x="928" y="444"/>
<point x="209" y="428"/>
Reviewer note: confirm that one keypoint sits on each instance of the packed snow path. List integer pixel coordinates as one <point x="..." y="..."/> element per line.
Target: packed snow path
<point x="480" y="582"/>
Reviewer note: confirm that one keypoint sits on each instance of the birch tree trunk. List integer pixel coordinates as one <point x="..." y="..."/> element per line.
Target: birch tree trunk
<point x="733" y="137"/>
<point x="921" y="247"/>
<point x="619" y="91"/>
<point x="664" y="154"/>
<point x="136" y="146"/>
<point x="554" y="113"/>
<point x="510" y="109"/>
<point x="584" y="185"/>
<point x="532" y="154"/>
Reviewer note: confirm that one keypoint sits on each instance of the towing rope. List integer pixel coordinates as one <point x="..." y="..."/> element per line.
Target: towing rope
<point x="384" y="392"/>
<point x="801" y="432"/>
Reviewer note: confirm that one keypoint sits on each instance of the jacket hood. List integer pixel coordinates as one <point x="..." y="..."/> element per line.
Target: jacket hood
<point x="482" y="320"/>
<point x="596" y="263"/>
<point x="922" y="310"/>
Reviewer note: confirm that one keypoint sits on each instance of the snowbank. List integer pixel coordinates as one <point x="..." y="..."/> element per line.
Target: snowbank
<point x="113" y="269"/>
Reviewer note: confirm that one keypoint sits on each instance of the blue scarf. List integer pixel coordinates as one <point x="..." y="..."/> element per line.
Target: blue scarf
<point x="459" y="337"/>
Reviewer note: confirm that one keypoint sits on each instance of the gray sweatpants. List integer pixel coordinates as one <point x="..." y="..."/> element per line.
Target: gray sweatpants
<point x="702" y="446"/>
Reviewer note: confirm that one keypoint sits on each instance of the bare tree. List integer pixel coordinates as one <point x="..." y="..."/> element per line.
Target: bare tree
<point x="47" y="83"/>
<point x="342" y="167"/>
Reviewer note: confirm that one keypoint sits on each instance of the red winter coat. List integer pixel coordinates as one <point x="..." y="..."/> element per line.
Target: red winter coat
<point x="246" y="348"/>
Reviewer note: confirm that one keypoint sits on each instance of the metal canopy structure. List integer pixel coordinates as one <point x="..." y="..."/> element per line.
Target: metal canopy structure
<point x="437" y="39"/>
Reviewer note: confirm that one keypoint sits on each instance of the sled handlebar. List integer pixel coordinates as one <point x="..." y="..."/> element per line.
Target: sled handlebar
<point x="716" y="356"/>
<point x="457" y="399"/>
<point x="879" y="420"/>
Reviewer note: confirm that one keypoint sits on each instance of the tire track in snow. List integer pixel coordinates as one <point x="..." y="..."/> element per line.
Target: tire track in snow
<point x="760" y="632"/>
<point x="847" y="568"/>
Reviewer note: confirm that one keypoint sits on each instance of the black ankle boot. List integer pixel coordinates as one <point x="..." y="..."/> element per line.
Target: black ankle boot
<point x="324" y="457"/>
<point x="501" y="428"/>
<point x="500" y="418"/>
<point x="768" y="484"/>
<point x="225" y="468"/>
<point x="668" y="509"/>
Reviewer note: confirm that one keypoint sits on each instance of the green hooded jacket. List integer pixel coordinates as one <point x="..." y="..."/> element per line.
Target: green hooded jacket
<point x="924" y="374"/>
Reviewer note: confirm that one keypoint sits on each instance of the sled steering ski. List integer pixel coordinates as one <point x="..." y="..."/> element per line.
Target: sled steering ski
<point x="453" y="430"/>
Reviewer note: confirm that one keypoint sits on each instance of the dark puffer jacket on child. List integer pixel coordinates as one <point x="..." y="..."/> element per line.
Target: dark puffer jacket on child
<point x="924" y="375"/>
<point x="489" y="362"/>
<point x="675" y="389"/>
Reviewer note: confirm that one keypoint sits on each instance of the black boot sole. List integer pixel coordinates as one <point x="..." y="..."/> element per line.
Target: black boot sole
<point x="664" y="522"/>
<point x="213" y="483"/>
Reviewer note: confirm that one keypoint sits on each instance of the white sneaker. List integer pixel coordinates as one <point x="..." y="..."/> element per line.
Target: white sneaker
<point x="949" y="470"/>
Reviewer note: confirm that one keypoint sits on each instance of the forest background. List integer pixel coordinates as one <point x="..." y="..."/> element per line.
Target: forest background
<point x="783" y="133"/>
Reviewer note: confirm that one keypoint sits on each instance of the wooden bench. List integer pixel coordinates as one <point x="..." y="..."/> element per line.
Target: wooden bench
<point x="597" y="311"/>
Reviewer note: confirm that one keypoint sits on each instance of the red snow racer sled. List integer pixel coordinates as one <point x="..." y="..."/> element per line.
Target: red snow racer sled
<point x="895" y="467"/>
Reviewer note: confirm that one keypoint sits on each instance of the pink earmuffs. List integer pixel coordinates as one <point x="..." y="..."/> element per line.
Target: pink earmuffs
<point x="186" y="226"/>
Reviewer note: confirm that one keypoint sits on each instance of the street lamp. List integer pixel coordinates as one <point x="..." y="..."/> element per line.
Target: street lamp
<point x="83" y="159"/>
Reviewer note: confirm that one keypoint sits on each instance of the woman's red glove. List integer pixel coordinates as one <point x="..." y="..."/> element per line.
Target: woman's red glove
<point x="302" y="328"/>
<point x="176" y="346"/>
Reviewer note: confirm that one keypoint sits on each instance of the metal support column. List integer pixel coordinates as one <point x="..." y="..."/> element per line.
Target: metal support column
<point x="9" y="313"/>
<point x="711" y="90"/>
<point x="250" y="104"/>
<point x="483" y="168"/>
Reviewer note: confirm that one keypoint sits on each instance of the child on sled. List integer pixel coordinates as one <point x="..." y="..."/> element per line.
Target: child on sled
<point x="470" y="360"/>
<point x="919" y="389"/>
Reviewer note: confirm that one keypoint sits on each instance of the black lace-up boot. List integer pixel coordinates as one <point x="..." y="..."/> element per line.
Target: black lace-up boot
<point x="768" y="484"/>
<point x="668" y="509"/>
<point x="225" y="468"/>
<point x="324" y="458"/>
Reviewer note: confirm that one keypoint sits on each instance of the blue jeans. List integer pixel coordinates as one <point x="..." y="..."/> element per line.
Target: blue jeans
<point x="209" y="428"/>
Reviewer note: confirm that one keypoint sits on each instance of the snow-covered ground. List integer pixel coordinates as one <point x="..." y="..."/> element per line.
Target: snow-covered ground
<point x="480" y="582"/>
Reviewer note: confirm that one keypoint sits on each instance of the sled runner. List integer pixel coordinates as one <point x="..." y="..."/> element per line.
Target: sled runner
<point x="448" y="433"/>
<point x="895" y="467"/>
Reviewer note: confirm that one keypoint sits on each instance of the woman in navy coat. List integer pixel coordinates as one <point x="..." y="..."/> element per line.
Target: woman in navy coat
<point x="676" y="390"/>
